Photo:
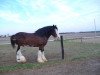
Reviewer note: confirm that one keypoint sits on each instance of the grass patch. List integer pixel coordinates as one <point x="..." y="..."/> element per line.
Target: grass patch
<point x="28" y="66"/>
<point x="15" y="67"/>
<point x="79" y="51"/>
<point x="74" y="51"/>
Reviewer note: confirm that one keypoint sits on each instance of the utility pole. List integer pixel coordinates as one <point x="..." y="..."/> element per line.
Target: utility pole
<point x="95" y="28"/>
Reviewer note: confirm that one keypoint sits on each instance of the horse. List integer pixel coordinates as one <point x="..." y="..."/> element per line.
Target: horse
<point x="37" y="39"/>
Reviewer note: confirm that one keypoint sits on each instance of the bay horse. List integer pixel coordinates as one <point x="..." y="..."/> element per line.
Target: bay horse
<point x="37" y="39"/>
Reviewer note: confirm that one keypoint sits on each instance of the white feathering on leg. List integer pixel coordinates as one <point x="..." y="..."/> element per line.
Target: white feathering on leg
<point x="43" y="56"/>
<point x="39" y="59"/>
<point x="19" y="57"/>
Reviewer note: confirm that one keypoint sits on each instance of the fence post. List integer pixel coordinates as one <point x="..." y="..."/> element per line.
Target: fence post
<point x="62" y="47"/>
<point x="81" y="40"/>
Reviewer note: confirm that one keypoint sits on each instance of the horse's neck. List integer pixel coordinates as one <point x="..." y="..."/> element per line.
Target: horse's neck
<point x="43" y="35"/>
<point x="48" y="36"/>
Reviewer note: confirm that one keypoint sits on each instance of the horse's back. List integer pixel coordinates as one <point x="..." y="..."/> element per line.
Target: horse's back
<point x="30" y="39"/>
<point x="23" y="34"/>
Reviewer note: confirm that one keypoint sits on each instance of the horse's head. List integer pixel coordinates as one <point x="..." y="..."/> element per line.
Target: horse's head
<point x="48" y="31"/>
<point x="55" y="32"/>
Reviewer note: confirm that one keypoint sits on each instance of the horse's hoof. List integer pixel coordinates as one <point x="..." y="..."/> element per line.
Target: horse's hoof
<point x="45" y="60"/>
<point x="40" y="61"/>
<point x="21" y="59"/>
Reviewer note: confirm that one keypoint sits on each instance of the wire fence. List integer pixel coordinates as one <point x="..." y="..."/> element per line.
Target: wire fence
<point x="76" y="46"/>
<point x="82" y="37"/>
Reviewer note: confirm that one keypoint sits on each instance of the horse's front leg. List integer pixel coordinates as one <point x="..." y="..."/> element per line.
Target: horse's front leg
<point x="41" y="57"/>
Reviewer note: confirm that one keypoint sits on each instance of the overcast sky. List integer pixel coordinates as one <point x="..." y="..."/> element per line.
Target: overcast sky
<point x="68" y="15"/>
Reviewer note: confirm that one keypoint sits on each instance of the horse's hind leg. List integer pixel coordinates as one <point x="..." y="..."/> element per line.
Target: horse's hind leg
<point x="19" y="57"/>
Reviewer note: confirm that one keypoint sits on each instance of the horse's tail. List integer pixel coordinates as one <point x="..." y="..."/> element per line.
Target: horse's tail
<point x="13" y="41"/>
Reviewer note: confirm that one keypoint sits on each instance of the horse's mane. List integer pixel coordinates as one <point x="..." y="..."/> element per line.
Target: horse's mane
<point x="45" y="31"/>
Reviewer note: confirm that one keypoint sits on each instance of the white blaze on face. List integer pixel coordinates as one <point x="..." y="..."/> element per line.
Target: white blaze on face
<point x="58" y="35"/>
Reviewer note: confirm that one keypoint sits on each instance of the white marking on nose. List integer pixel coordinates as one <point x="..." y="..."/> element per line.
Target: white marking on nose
<point x="58" y="35"/>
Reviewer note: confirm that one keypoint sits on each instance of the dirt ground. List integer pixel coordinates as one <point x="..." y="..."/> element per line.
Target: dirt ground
<point x="87" y="67"/>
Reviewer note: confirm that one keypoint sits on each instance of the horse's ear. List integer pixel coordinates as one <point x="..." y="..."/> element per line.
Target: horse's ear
<point x="54" y="25"/>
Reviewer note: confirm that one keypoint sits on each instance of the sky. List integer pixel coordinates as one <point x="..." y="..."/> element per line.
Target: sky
<point x="30" y="15"/>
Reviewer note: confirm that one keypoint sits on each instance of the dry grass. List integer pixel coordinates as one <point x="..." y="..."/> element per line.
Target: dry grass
<point x="74" y="51"/>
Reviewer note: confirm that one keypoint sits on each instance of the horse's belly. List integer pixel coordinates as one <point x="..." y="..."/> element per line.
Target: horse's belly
<point x="33" y="43"/>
